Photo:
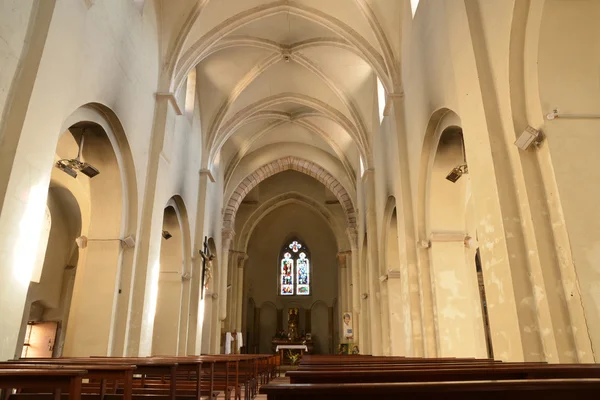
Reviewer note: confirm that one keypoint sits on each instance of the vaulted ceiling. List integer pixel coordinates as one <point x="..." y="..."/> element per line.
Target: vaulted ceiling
<point x="286" y="77"/>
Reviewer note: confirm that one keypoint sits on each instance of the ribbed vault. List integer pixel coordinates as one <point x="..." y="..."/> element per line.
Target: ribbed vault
<point x="300" y="71"/>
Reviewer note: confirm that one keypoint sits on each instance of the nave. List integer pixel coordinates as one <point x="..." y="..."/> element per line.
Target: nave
<point x="244" y="184"/>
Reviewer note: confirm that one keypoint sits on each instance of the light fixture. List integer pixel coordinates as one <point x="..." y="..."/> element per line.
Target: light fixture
<point x="128" y="242"/>
<point x="457" y="172"/>
<point x="166" y="235"/>
<point x="529" y="137"/>
<point x="71" y="166"/>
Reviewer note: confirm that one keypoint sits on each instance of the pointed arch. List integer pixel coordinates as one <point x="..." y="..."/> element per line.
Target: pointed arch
<point x="307" y="167"/>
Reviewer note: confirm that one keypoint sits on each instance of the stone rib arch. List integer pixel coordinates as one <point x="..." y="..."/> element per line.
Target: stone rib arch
<point x="388" y="53"/>
<point x="178" y="67"/>
<point x="283" y="200"/>
<point x="283" y="164"/>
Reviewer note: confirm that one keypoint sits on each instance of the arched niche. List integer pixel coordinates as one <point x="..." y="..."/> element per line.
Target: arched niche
<point x="48" y="300"/>
<point x="169" y="304"/>
<point x="457" y="306"/>
<point x="108" y="204"/>
<point x="99" y="207"/>
<point x="97" y="276"/>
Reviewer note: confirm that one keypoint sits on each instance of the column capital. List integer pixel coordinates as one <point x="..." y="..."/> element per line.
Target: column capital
<point x="341" y="257"/>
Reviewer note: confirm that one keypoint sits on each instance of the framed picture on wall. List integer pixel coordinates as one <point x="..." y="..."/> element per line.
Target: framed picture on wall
<point x="347" y="325"/>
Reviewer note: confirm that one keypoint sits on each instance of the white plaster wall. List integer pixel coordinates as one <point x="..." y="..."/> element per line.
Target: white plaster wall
<point x="568" y="80"/>
<point x="14" y="23"/>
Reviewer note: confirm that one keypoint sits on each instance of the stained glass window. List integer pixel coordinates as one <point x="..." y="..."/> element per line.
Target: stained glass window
<point x="294" y="275"/>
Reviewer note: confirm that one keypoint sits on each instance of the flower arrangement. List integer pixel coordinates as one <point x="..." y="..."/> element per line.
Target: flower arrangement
<point x="293" y="357"/>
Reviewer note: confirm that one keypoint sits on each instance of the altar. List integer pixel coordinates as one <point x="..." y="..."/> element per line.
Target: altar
<point x="290" y="343"/>
<point x="291" y="350"/>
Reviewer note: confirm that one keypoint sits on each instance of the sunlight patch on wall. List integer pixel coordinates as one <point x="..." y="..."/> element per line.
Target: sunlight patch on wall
<point x="380" y="99"/>
<point x="153" y="293"/>
<point x="413" y="5"/>
<point x="30" y="234"/>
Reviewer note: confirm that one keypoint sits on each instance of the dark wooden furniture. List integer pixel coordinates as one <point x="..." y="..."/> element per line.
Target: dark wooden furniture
<point x="553" y="389"/>
<point x="56" y="381"/>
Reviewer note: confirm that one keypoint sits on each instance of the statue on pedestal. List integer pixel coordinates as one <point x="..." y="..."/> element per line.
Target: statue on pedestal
<point x="293" y="324"/>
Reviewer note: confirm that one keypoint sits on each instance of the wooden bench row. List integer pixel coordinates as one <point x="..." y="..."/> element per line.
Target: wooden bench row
<point x="354" y="377"/>
<point x="127" y="378"/>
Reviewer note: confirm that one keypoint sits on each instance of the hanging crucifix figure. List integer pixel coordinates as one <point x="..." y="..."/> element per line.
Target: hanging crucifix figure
<point x="207" y="258"/>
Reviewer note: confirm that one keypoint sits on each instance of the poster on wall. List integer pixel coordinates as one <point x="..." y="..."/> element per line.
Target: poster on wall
<point x="347" y="325"/>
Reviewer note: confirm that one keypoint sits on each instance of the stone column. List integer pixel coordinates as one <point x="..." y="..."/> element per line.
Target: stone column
<point x="384" y="299"/>
<point x="197" y="306"/>
<point x="342" y="302"/>
<point x="355" y="281"/>
<point x="457" y="294"/>
<point x="240" y="291"/>
<point x="215" y="323"/>
<point x="22" y="211"/>
<point x="419" y="292"/>
<point x="341" y="259"/>
<point x="232" y="292"/>
<point x="226" y="239"/>
<point x="376" y="323"/>
<point x="348" y="270"/>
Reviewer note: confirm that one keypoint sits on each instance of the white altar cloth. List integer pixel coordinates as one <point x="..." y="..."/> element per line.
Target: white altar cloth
<point x="291" y="346"/>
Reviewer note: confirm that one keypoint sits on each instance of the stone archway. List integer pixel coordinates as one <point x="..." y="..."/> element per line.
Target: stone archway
<point x="283" y="164"/>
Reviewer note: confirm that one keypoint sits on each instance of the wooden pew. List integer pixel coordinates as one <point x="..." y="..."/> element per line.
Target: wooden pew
<point x="550" y="389"/>
<point x="145" y="367"/>
<point x="103" y="373"/>
<point x="446" y="372"/>
<point x="167" y="370"/>
<point x="55" y="380"/>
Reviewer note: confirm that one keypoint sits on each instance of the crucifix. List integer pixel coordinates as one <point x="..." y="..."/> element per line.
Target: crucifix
<point x="207" y="258"/>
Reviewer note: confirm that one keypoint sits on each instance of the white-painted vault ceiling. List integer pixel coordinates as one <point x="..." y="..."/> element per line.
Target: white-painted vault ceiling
<point x="272" y="75"/>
